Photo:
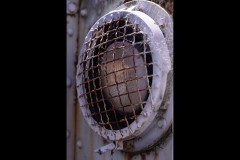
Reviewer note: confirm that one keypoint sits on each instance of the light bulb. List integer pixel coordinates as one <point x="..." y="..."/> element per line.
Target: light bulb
<point x="124" y="74"/>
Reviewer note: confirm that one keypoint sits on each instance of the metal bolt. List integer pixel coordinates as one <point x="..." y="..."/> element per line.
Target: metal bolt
<point x="79" y="144"/>
<point x="83" y="12"/>
<point x="70" y="32"/>
<point x="69" y="82"/>
<point x="72" y="8"/>
<point x="162" y="123"/>
<point x="144" y="114"/>
<point x="68" y="134"/>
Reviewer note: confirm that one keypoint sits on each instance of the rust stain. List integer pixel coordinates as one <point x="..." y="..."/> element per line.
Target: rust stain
<point x="91" y="144"/>
<point x="99" y="32"/>
<point x="104" y="141"/>
<point x="155" y="154"/>
<point x="166" y="4"/>
<point x="127" y="156"/>
<point x="75" y="123"/>
<point x="128" y="146"/>
<point x="143" y="156"/>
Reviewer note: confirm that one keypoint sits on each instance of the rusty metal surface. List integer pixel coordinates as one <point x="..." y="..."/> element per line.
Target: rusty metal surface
<point x="137" y="31"/>
<point x="166" y="4"/>
<point x="81" y="140"/>
<point x="91" y="12"/>
<point x="72" y="36"/>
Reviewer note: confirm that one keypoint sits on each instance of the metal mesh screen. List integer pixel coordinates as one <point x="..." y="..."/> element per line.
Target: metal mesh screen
<point x="117" y="73"/>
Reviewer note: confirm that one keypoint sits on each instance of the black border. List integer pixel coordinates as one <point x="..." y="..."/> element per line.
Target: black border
<point x="34" y="87"/>
<point x="34" y="79"/>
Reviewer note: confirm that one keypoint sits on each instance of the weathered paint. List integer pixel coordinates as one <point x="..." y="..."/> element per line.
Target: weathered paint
<point x="75" y="121"/>
<point x="72" y="36"/>
<point x="161" y="64"/>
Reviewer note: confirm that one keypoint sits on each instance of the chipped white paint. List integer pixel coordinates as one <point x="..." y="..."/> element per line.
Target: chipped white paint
<point x="109" y="147"/>
<point x="161" y="66"/>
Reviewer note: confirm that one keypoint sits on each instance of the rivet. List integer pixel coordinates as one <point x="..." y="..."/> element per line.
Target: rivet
<point x="83" y="12"/>
<point x="70" y="32"/>
<point x="72" y="8"/>
<point x="69" y="82"/>
<point x="79" y="144"/>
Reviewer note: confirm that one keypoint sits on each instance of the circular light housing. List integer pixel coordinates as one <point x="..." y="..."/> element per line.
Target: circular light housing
<point x="122" y="71"/>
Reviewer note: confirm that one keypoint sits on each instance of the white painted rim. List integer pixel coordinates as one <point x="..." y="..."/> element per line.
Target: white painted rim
<point x="161" y="66"/>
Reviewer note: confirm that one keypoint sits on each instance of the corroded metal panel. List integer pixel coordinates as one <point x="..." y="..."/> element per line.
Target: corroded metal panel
<point x="72" y="36"/>
<point x="90" y="11"/>
<point x="81" y="139"/>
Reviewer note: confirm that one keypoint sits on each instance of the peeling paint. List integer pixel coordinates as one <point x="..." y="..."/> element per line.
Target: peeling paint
<point x="153" y="152"/>
<point x="143" y="156"/>
<point x="155" y="155"/>
<point x="129" y="147"/>
<point x="104" y="141"/>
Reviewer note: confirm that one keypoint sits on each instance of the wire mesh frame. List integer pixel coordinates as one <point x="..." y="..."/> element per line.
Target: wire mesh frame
<point x="161" y="63"/>
<point x="88" y="60"/>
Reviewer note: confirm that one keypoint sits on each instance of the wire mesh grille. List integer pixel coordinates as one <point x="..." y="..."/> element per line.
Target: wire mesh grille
<point x="117" y="73"/>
